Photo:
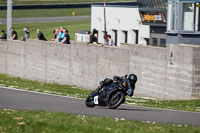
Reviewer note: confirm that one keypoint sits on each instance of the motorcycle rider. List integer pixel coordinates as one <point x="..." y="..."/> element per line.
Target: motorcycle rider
<point x="127" y="81"/>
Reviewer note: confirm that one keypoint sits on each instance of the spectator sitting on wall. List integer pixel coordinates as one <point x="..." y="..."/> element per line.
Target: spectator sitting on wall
<point x="94" y="39"/>
<point x="40" y="36"/>
<point x="94" y="36"/>
<point x="95" y="31"/>
<point x="3" y="35"/>
<point x="13" y="34"/>
<point x="55" y="32"/>
<point x="60" y="36"/>
<point x="26" y="34"/>
<point x="110" y="41"/>
<point x="66" y="39"/>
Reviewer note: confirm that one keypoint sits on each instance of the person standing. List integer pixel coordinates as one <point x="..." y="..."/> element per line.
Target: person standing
<point x="13" y="34"/>
<point x="40" y="36"/>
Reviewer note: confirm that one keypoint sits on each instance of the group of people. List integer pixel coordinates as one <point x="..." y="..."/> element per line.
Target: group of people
<point x="61" y="35"/>
<point x="13" y="34"/>
<point x="26" y="30"/>
<point x="94" y="38"/>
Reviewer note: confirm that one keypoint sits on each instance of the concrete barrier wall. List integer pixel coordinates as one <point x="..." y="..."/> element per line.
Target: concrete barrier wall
<point x="196" y="72"/>
<point x="159" y="75"/>
<point x="149" y="63"/>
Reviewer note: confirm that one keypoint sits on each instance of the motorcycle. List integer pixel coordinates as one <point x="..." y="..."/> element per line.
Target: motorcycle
<point x="111" y="95"/>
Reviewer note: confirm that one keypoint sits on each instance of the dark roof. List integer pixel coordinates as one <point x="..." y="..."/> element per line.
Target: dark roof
<point x="120" y="4"/>
<point x="152" y="3"/>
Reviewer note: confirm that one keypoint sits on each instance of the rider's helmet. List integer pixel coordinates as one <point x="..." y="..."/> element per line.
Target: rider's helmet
<point x="132" y="78"/>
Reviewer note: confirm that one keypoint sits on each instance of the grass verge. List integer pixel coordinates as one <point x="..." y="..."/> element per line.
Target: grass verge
<point x="32" y="13"/>
<point x="17" y="2"/>
<point x="53" y="88"/>
<point x="47" y="28"/>
<point x="13" y="121"/>
<point x="5" y="80"/>
<point x="187" y="105"/>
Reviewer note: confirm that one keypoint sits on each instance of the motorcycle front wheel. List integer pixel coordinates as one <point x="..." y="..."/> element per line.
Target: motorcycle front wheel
<point x="89" y="102"/>
<point x="116" y="100"/>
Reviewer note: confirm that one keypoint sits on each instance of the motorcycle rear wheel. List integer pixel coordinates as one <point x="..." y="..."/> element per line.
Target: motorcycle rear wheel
<point x="116" y="100"/>
<point x="89" y="102"/>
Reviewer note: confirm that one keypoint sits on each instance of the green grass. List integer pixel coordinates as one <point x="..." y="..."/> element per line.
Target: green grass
<point x="53" y="88"/>
<point x="47" y="12"/>
<point x="17" y="2"/>
<point x="13" y="121"/>
<point x="47" y="28"/>
<point x="5" y="80"/>
<point x="188" y="105"/>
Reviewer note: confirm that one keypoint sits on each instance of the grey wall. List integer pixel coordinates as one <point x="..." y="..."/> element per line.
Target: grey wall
<point x="84" y="65"/>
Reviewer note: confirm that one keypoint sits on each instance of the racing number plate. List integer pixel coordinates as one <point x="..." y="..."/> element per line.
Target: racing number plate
<point x="96" y="101"/>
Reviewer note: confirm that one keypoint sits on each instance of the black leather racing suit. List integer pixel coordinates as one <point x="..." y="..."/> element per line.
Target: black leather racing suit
<point x="125" y="82"/>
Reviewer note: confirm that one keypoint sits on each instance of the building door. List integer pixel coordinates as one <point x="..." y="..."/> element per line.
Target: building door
<point x="115" y="37"/>
<point x="146" y="41"/>
<point x="125" y="36"/>
<point x="136" y="36"/>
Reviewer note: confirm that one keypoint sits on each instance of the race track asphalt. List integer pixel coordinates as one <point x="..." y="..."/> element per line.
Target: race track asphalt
<point x="25" y="100"/>
<point x="46" y="19"/>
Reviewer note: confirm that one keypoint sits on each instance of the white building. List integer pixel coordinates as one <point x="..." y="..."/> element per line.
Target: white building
<point x="123" y="24"/>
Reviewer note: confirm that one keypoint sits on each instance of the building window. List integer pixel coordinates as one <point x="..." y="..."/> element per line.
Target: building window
<point x="170" y="17"/>
<point x="154" y="41"/>
<point x="162" y="42"/>
<point x="173" y="11"/>
<point x="188" y="17"/>
<point x="197" y="18"/>
<point x="176" y="16"/>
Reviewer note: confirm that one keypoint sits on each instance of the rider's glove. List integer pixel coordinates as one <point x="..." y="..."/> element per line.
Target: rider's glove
<point x="129" y="92"/>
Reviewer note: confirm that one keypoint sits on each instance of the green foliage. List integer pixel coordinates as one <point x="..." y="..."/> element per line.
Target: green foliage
<point x="47" y="28"/>
<point x="13" y="121"/>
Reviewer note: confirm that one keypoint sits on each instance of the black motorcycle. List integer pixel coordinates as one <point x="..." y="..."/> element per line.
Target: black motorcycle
<point x="111" y="95"/>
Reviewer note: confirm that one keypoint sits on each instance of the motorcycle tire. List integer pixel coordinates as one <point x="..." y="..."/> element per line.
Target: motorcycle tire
<point x="116" y="100"/>
<point x="89" y="102"/>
